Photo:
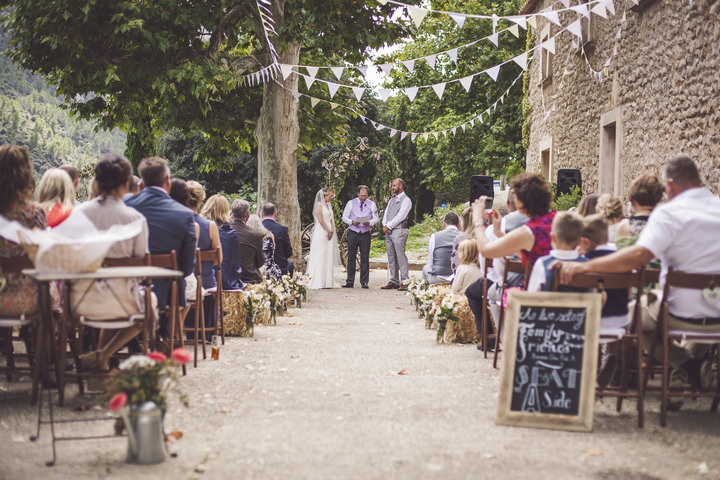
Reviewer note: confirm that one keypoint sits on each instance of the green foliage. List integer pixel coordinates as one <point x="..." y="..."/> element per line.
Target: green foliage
<point x="568" y="200"/>
<point x="246" y="193"/>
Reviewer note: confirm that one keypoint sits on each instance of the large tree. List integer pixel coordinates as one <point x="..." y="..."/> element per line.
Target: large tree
<point x="145" y="66"/>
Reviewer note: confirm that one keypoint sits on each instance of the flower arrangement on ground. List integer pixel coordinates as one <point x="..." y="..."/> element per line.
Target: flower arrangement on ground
<point x="255" y="302"/>
<point x="426" y="307"/>
<point x="298" y="287"/>
<point x="415" y="289"/>
<point x="446" y="310"/>
<point x="278" y="293"/>
<point x="145" y="378"/>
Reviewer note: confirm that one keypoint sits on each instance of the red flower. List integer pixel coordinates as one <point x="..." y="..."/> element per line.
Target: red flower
<point x="157" y="356"/>
<point x="181" y="356"/>
<point x="117" y="401"/>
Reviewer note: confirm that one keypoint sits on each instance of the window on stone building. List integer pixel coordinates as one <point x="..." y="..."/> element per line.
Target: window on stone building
<point x="546" y="157"/>
<point x="587" y="31"/>
<point x="546" y="57"/>
<point x="611" y="135"/>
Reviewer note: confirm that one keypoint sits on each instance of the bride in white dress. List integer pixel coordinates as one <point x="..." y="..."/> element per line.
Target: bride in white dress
<point x="324" y="252"/>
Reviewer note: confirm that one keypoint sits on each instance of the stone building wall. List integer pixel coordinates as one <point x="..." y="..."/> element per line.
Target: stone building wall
<point x="662" y="90"/>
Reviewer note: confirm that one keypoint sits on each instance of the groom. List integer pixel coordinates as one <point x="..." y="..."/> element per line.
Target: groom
<point x="395" y="225"/>
<point x="360" y="215"/>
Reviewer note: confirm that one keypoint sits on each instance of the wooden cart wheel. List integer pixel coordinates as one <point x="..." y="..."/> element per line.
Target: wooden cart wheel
<point x="344" y="251"/>
<point x="305" y="238"/>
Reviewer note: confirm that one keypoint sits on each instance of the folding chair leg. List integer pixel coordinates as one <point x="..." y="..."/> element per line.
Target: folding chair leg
<point x="501" y="320"/>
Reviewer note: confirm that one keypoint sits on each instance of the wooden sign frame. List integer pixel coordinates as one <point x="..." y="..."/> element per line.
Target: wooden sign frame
<point x="592" y="303"/>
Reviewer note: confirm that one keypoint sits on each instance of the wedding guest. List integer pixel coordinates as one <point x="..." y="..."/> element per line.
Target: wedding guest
<point x="588" y="204"/>
<point x="251" y="242"/>
<point x="396" y="228"/>
<point x="20" y="293"/>
<point x="272" y="270"/>
<point x="74" y="176"/>
<point x="466" y="232"/>
<point x="283" y="248"/>
<point x="171" y="225"/>
<point x="646" y="192"/>
<point x="120" y="297"/>
<point x="358" y="235"/>
<point x="56" y="195"/>
<point x="217" y="210"/>
<point x="682" y="233"/>
<point x="438" y="269"/>
<point x="468" y="272"/>
<point x="610" y="207"/>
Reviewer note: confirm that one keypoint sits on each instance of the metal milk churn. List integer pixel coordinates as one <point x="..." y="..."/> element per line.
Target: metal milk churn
<point x="146" y="440"/>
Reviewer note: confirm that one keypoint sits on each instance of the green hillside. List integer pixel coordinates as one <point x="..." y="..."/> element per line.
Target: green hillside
<point x="31" y="116"/>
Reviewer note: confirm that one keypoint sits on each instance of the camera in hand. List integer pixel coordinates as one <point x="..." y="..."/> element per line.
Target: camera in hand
<point x="482" y="185"/>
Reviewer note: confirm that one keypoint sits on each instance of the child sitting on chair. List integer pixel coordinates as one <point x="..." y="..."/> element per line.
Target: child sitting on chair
<point x="565" y="234"/>
<point x="594" y="243"/>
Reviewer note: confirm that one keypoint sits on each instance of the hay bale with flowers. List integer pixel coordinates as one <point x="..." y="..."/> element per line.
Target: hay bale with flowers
<point x="235" y="313"/>
<point x="464" y="329"/>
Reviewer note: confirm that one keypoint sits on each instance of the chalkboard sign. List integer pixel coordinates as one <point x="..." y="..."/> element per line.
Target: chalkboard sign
<point x="550" y="360"/>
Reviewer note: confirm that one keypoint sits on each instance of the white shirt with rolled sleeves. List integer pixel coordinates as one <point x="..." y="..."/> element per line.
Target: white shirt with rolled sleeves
<point x="405" y="206"/>
<point x="684" y="234"/>
<point x="349" y="216"/>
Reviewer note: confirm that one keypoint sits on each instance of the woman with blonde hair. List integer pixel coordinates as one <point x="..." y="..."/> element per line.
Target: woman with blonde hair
<point x="56" y="195"/>
<point x="468" y="272"/>
<point x="467" y="230"/>
<point x="217" y="210"/>
<point x="611" y="208"/>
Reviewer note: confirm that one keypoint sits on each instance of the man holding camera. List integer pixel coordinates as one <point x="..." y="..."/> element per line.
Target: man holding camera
<point x="396" y="228"/>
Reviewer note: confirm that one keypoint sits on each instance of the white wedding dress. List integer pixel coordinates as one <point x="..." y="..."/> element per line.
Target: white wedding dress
<point x="324" y="253"/>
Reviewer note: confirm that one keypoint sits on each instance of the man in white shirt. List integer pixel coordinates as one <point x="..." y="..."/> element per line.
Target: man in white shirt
<point x="396" y="229"/>
<point x="438" y="268"/>
<point x="683" y="233"/>
<point x="360" y="215"/>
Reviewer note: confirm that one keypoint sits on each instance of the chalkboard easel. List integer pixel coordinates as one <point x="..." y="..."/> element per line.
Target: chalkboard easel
<point x="550" y="360"/>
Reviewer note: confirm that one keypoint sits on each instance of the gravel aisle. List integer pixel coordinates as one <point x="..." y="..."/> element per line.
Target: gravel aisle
<point x="353" y="386"/>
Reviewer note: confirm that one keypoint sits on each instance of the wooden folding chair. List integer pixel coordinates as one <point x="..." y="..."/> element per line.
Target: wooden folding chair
<point x="213" y="256"/>
<point x="664" y="334"/>
<point x="511" y="266"/>
<point x="628" y="338"/>
<point x="8" y="324"/>
<point x="175" y="337"/>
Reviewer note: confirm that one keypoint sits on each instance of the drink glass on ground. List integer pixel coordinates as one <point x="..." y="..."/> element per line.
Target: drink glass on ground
<point x="215" y="347"/>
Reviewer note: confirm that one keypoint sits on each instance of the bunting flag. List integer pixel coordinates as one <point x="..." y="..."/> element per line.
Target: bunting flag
<point x="333" y="88"/>
<point x="520" y="21"/>
<point x="417" y="14"/>
<point x="599" y="9"/>
<point x="493" y="39"/>
<point x="453" y="54"/>
<point x="410" y="65"/>
<point x="413" y="136"/>
<point x="493" y="72"/>
<point x="411" y="92"/>
<point x="439" y="89"/>
<point x="514" y="30"/>
<point x="532" y="22"/>
<point x="358" y="91"/>
<point x="552" y="16"/>
<point x="576" y="28"/>
<point x="314" y="101"/>
<point x="363" y="70"/>
<point x="522" y="60"/>
<point x="337" y="71"/>
<point x="384" y="93"/>
<point x="286" y="71"/>
<point x="467" y="82"/>
<point x="430" y="59"/>
<point x="386" y="68"/>
<point x="581" y="10"/>
<point x="610" y="6"/>
<point x="308" y="81"/>
<point x="392" y="132"/>
<point x="403" y="135"/>
<point x="459" y="19"/>
<point x="549" y="45"/>
<point x="312" y="71"/>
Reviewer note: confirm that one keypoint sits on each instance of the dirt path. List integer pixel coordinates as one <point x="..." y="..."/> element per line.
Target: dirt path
<point x="353" y="386"/>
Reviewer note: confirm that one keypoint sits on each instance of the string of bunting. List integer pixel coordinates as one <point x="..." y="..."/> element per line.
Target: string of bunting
<point x="268" y="25"/>
<point x="413" y="135"/>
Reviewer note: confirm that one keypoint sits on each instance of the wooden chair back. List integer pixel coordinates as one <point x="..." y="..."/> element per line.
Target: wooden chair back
<point x="127" y="261"/>
<point x="169" y="260"/>
<point x="213" y="256"/>
<point x="512" y="265"/>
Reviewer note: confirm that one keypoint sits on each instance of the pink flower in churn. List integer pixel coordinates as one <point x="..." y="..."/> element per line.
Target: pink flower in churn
<point x="505" y="295"/>
<point x="157" y="356"/>
<point x="181" y="356"/>
<point x="117" y="401"/>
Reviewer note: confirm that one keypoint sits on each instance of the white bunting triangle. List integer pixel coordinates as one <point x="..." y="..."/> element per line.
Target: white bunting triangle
<point x="549" y="45"/>
<point x="521" y="60"/>
<point x="610" y="6"/>
<point x="333" y="88"/>
<point x="338" y="71"/>
<point x="459" y="19"/>
<point x="581" y="10"/>
<point x="411" y="92"/>
<point x="566" y="3"/>
<point x="410" y="65"/>
<point x="435" y="134"/>
<point x="520" y="21"/>
<point x="417" y="14"/>
<point x="454" y="129"/>
<point x="379" y="127"/>
<point x="600" y="9"/>
<point x="552" y="16"/>
<point x="430" y="59"/>
<point x="403" y="135"/>
<point x="439" y="89"/>
<point x="463" y="127"/>
<point x="413" y="136"/>
<point x="386" y="68"/>
<point x="453" y="54"/>
<point x="362" y="70"/>
<point x="494" y="22"/>
<point x="286" y="71"/>
<point x="444" y="132"/>
<point x="532" y="21"/>
<point x="573" y="44"/>
<point x="472" y="122"/>
<point x="466" y="82"/>
<point x="363" y="119"/>
<point x="384" y="93"/>
<point x="576" y="28"/>
<point x="493" y="38"/>
<point x="312" y="71"/>
<point x="515" y="31"/>
<point x="493" y="72"/>
<point x="358" y="92"/>
<point x="425" y="136"/>
<point x="308" y="81"/>
<point x="314" y="101"/>
<point x="392" y="132"/>
<point x="334" y="105"/>
<point x="382" y="2"/>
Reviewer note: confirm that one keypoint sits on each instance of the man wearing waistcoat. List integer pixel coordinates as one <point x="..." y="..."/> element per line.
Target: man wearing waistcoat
<point x="395" y="225"/>
<point x="359" y="208"/>
<point x="438" y="268"/>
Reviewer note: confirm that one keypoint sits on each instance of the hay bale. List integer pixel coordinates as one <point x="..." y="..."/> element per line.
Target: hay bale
<point x="464" y="330"/>
<point x="264" y="317"/>
<point x="235" y="315"/>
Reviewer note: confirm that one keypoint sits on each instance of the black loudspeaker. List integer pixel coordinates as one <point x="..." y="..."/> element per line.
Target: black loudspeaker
<point x="566" y="178"/>
<point x="481" y="185"/>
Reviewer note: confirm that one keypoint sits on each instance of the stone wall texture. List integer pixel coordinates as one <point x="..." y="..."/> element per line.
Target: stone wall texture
<point x="665" y="78"/>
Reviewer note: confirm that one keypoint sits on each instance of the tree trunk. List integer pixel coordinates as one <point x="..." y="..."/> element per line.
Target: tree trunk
<point x="277" y="134"/>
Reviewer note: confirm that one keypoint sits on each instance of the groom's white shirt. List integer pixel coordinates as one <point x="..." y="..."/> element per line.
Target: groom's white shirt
<point x="405" y="206"/>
